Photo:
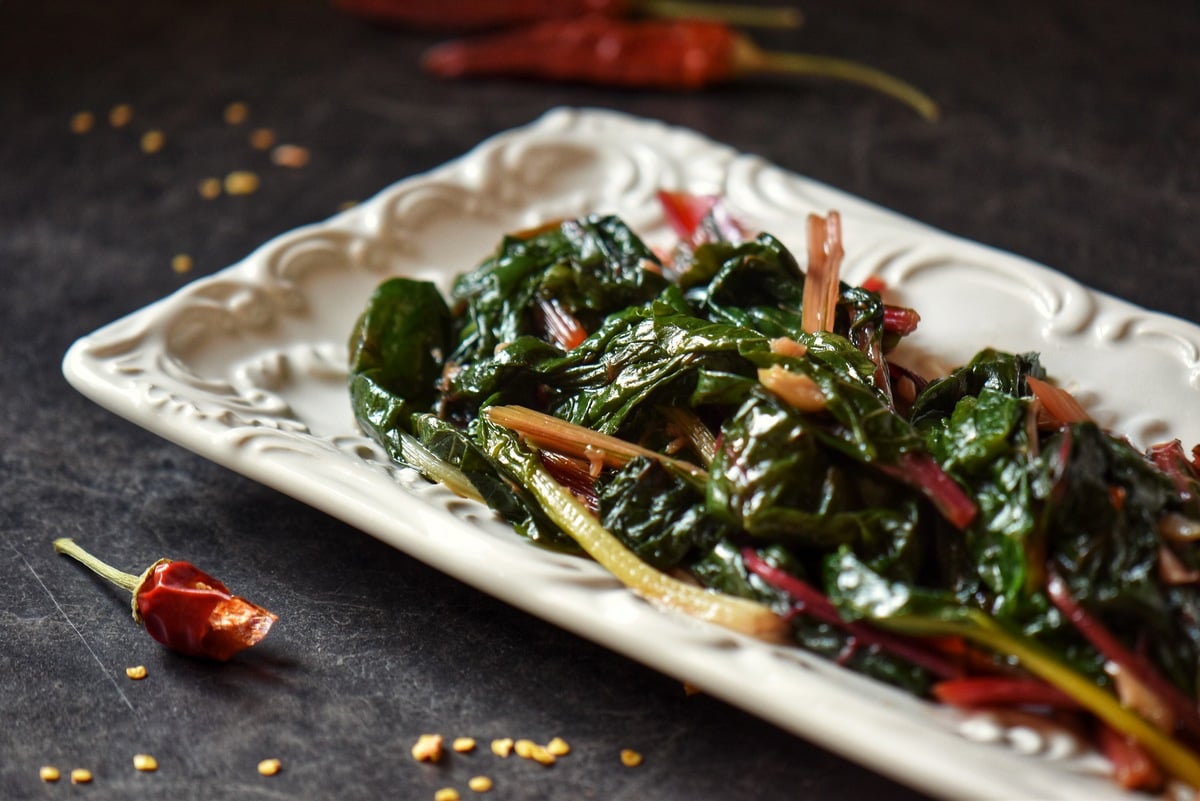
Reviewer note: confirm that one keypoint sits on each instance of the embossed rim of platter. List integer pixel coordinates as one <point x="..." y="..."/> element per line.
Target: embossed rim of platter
<point x="246" y="367"/>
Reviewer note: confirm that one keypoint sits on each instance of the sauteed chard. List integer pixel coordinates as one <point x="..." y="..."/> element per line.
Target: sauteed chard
<point x="727" y="432"/>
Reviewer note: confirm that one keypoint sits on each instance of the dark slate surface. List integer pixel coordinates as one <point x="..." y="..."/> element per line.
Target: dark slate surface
<point x="1069" y="136"/>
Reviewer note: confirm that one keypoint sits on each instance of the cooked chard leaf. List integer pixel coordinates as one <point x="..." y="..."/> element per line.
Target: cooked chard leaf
<point x="778" y="480"/>
<point x="651" y="353"/>
<point x="989" y="369"/>
<point x="985" y="445"/>
<point x="719" y="388"/>
<point x="402" y="337"/>
<point x="511" y="376"/>
<point x="758" y="284"/>
<point x="838" y="354"/>
<point x="755" y="285"/>
<point x="387" y="418"/>
<point x="380" y="412"/>
<point x="723" y="568"/>
<point x="590" y="267"/>
<point x="656" y="514"/>
<point x="395" y="360"/>
<point x="1101" y="522"/>
<point x="1101" y="517"/>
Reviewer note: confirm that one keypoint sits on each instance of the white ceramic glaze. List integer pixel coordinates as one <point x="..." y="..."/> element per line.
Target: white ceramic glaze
<point x="246" y="367"/>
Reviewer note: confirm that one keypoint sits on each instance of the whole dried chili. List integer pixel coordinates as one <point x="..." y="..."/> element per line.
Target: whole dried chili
<point x="660" y="54"/>
<point x="183" y="607"/>
<point x="473" y="15"/>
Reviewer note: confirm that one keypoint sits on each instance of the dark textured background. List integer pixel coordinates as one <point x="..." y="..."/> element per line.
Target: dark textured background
<point x="1069" y="136"/>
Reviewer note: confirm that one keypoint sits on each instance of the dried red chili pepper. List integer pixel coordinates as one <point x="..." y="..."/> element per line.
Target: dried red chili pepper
<point x="473" y="15"/>
<point x="183" y="607"/>
<point x="677" y="54"/>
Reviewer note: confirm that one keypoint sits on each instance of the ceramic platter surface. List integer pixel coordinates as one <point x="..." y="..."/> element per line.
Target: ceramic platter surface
<point x="247" y="367"/>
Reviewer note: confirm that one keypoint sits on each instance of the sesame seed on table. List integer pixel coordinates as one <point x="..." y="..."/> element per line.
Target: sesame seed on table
<point x="146" y="145"/>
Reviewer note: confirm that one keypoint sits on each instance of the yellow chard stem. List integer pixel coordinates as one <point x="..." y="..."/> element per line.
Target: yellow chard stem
<point x="1172" y="756"/>
<point x="733" y="613"/>
<point x="436" y="468"/>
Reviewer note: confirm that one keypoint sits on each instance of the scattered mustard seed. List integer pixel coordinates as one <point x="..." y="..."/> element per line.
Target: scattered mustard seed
<point x="262" y="138"/>
<point x="446" y="794"/>
<point x="480" y="784"/>
<point x="540" y="755"/>
<point x="269" y="767"/>
<point x="236" y="113"/>
<point x="209" y="188"/>
<point x="145" y="763"/>
<point x="558" y="747"/>
<point x="82" y="122"/>
<point x="524" y="748"/>
<point x="181" y="263"/>
<point x="630" y="758"/>
<point x="49" y="773"/>
<point x="81" y="776"/>
<point x="120" y="115"/>
<point x="137" y="672"/>
<point x="241" y="182"/>
<point x="153" y="141"/>
<point x="292" y="156"/>
<point x="428" y="748"/>
<point x="502" y="747"/>
<point x="463" y="745"/>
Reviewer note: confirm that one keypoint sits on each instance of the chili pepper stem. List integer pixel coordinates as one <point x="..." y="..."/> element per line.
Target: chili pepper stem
<point x="126" y="581"/>
<point x="750" y="59"/>
<point x="729" y="13"/>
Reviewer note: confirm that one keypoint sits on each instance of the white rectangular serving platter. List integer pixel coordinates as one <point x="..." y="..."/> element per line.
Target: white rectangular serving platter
<point x="247" y="367"/>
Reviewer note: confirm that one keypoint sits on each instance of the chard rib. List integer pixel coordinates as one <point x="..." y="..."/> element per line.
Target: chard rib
<point x="550" y="433"/>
